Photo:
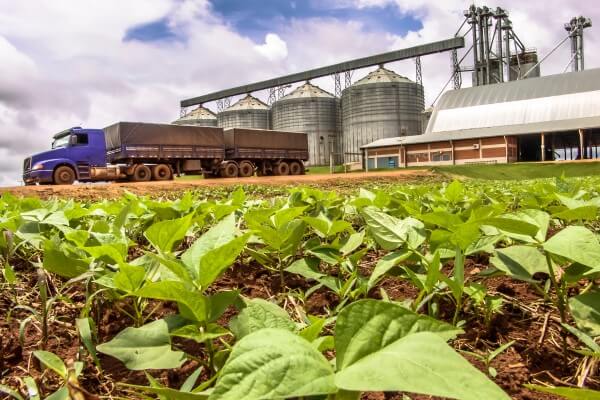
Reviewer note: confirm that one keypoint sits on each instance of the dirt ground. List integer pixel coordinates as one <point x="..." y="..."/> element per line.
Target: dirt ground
<point x="156" y="189"/>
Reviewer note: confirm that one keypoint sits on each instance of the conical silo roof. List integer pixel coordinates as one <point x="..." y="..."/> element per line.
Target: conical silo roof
<point x="248" y="103"/>
<point x="382" y="75"/>
<point x="308" y="90"/>
<point x="200" y="113"/>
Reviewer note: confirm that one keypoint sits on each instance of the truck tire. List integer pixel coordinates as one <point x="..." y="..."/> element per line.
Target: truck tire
<point x="162" y="172"/>
<point x="64" y="175"/>
<point x="229" y="170"/>
<point x="141" y="173"/>
<point x="246" y="169"/>
<point x="281" y="168"/>
<point x="296" y="168"/>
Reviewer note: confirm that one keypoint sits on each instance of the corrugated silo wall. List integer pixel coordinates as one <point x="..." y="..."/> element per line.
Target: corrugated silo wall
<point x="317" y="117"/>
<point x="379" y="110"/>
<point x="251" y="119"/>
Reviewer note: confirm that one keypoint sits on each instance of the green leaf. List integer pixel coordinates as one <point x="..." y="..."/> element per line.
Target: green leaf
<point x="219" y="235"/>
<point x="568" y="392"/>
<point x="354" y="242"/>
<point x="419" y="363"/>
<point x="576" y="243"/>
<point x="147" y="347"/>
<point x="129" y="278"/>
<point x="273" y="364"/>
<point x="8" y="273"/>
<point x="10" y="392"/>
<point x="198" y="334"/>
<point x="259" y="314"/>
<point x="512" y="225"/>
<point x="585" y="309"/>
<point x="85" y="332"/>
<point x="167" y="393"/>
<point x="60" y="394"/>
<point x="388" y="231"/>
<point x="385" y="264"/>
<point x="367" y="326"/>
<point x="52" y="361"/>
<point x="62" y="260"/>
<point x="218" y="303"/>
<point x="312" y="331"/>
<point x="217" y="260"/>
<point x="164" y="235"/>
<point x="585" y="213"/>
<point x="585" y="339"/>
<point x="520" y="262"/>
<point x="454" y="191"/>
<point x="191" y="302"/>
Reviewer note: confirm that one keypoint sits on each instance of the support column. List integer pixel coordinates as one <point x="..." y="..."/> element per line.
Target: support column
<point x="404" y="157"/>
<point x="452" y="146"/>
<point x="543" y="146"/>
<point x="506" y="148"/>
<point x="581" y="147"/>
<point x="366" y="160"/>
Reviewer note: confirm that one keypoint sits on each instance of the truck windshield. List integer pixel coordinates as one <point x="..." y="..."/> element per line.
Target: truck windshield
<point x="62" y="141"/>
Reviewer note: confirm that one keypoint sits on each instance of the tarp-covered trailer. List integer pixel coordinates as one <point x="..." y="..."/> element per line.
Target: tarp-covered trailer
<point x="168" y="148"/>
<point x="266" y="151"/>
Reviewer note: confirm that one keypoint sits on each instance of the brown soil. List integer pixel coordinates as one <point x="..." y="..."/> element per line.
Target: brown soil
<point x="93" y="191"/>
<point x="524" y="314"/>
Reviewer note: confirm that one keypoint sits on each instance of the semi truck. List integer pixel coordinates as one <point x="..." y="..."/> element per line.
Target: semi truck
<point x="138" y="152"/>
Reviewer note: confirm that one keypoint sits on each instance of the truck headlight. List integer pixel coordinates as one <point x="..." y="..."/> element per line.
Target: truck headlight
<point x="37" y="167"/>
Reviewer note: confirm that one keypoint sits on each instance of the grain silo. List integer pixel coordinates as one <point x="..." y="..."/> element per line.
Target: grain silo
<point x="248" y="112"/>
<point x="314" y="111"/>
<point x="382" y="104"/>
<point x="200" y="116"/>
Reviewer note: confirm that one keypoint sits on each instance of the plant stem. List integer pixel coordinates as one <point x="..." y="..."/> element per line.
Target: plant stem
<point x="43" y="288"/>
<point x="560" y="304"/>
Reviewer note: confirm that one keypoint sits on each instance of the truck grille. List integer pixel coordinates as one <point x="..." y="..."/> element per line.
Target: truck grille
<point x="27" y="164"/>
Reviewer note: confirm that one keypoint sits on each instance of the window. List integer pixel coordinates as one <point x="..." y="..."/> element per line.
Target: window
<point x="62" y="141"/>
<point x="82" y="138"/>
<point x="387" y="162"/>
<point x="417" y="157"/>
<point x="441" y="156"/>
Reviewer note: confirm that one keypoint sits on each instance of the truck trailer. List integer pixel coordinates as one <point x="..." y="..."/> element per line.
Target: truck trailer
<point x="133" y="151"/>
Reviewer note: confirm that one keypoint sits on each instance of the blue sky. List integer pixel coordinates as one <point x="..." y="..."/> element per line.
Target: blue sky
<point x="256" y="18"/>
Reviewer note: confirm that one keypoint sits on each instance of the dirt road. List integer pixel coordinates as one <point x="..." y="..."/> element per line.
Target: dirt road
<point x="157" y="189"/>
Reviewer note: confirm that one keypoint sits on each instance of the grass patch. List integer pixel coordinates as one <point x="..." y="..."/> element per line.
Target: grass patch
<point x="519" y="171"/>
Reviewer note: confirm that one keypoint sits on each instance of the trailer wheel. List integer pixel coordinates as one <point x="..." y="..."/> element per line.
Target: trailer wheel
<point x="141" y="173"/>
<point x="281" y="168"/>
<point x="246" y="169"/>
<point x="162" y="172"/>
<point x="296" y="168"/>
<point x="229" y="170"/>
<point x="64" y="175"/>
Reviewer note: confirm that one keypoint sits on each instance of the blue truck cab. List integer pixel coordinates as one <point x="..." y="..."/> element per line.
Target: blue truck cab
<point x="75" y="152"/>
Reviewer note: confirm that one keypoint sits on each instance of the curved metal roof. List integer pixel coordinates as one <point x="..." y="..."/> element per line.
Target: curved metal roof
<point x="308" y="90"/>
<point x="547" y="104"/>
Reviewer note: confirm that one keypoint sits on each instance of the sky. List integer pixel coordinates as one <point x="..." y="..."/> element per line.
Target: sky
<point x="91" y="63"/>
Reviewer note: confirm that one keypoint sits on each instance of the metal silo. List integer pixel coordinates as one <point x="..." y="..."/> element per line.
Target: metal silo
<point x="314" y="111"/>
<point x="199" y="117"/>
<point x="382" y="104"/>
<point x="248" y="112"/>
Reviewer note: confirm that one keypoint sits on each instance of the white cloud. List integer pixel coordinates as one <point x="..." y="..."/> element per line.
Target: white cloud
<point x="68" y="65"/>
<point x="274" y="48"/>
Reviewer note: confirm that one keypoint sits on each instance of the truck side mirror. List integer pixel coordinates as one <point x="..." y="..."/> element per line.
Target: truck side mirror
<point x="73" y="140"/>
